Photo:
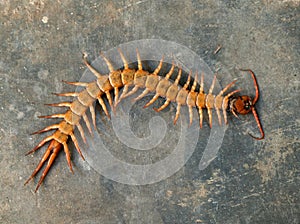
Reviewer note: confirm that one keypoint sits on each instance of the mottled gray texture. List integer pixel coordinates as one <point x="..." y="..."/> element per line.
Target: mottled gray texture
<point x="249" y="182"/>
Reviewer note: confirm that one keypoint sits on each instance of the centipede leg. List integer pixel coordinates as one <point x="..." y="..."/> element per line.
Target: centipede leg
<point x="70" y="94"/>
<point x="47" y="139"/>
<point x="134" y="89"/>
<point x="80" y="129"/>
<point x="102" y="104"/>
<point x="123" y="94"/>
<point x="53" y="155"/>
<point x="76" y="145"/>
<point x="219" y="116"/>
<point x="200" y="116"/>
<point x="49" y="128"/>
<point x="116" y="89"/>
<point x="167" y="102"/>
<point x="110" y="101"/>
<point x="138" y="56"/>
<point x="62" y="104"/>
<point x="55" y="147"/>
<point x="87" y="123"/>
<point x="68" y="156"/>
<point x="53" y="116"/>
<point x="94" y="71"/>
<point x="42" y="161"/>
<point x="209" y="111"/>
<point x="155" y="97"/>
<point x="144" y="93"/>
<point x="177" y="113"/>
<point x="82" y="84"/>
<point x="191" y="115"/>
<point x="92" y="111"/>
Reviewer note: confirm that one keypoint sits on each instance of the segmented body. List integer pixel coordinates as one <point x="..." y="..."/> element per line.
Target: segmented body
<point x="135" y="78"/>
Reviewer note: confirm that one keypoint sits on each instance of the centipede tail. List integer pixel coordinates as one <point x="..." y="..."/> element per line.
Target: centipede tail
<point x="52" y="151"/>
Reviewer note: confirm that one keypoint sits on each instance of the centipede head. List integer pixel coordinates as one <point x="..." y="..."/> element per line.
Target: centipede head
<point x="245" y="104"/>
<point x="241" y="105"/>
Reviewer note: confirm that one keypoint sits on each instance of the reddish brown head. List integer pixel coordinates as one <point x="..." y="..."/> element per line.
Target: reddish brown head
<point x="244" y="105"/>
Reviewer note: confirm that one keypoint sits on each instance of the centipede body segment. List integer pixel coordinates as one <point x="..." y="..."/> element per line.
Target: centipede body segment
<point x="131" y="80"/>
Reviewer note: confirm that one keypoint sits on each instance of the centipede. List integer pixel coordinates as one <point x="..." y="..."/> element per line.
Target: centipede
<point x="121" y="83"/>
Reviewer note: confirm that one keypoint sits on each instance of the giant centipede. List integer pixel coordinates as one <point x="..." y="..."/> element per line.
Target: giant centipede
<point x="131" y="79"/>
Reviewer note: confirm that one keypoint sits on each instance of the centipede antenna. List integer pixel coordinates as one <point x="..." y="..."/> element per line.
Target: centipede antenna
<point x="253" y="103"/>
<point x="258" y="124"/>
<point x="255" y="84"/>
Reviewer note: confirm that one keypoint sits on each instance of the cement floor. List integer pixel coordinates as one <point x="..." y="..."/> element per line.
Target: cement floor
<point x="249" y="182"/>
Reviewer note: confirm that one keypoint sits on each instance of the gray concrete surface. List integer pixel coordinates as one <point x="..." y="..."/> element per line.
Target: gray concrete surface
<point x="249" y="182"/>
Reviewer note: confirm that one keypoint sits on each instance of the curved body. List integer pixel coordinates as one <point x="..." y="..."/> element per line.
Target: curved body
<point x="135" y="78"/>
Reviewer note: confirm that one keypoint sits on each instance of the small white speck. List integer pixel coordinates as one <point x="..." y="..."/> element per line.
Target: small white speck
<point x="20" y="115"/>
<point x="45" y="19"/>
<point x="11" y="107"/>
<point x="36" y="114"/>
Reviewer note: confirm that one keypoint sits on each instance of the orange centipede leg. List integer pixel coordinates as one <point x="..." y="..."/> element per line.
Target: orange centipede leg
<point x="53" y="155"/>
<point x="80" y="129"/>
<point x="53" y="116"/>
<point x="49" y="128"/>
<point x="155" y="97"/>
<point x="68" y="156"/>
<point x="47" y="139"/>
<point x="55" y="147"/>
<point x="76" y="145"/>
<point x="166" y="103"/>
<point x="70" y="94"/>
<point x="177" y="113"/>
